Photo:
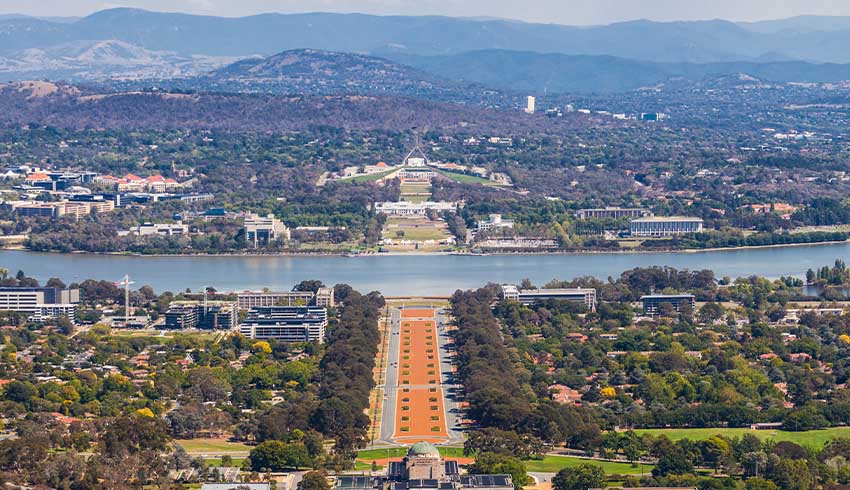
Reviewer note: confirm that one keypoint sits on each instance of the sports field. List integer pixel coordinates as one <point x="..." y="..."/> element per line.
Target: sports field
<point x="810" y="438"/>
<point x="420" y="410"/>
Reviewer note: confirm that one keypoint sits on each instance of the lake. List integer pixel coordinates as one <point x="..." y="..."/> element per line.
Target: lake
<point x="397" y="275"/>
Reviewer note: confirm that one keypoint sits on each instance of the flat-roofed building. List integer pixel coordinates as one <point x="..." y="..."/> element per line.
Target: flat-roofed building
<point x="33" y="208"/>
<point x="325" y="298"/>
<point x="416" y="175"/>
<point x="252" y="299"/>
<point x="652" y="302"/>
<point x="494" y="221"/>
<point x="47" y="312"/>
<point x="209" y="315"/>
<point x="658" y="226"/>
<point x="612" y="213"/>
<point x="161" y="229"/>
<point x="286" y="323"/>
<point x="181" y="316"/>
<point x="406" y="208"/>
<point x="262" y="230"/>
<point x="586" y="296"/>
<point x="41" y="303"/>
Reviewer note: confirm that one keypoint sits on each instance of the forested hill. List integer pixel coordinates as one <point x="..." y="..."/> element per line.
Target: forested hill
<point x="64" y="106"/>
<point x="316" y="72"/>
<point x="561" y="73"/>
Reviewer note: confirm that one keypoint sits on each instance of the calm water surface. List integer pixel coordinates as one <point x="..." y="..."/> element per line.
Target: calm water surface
<point x="409" y="274"/>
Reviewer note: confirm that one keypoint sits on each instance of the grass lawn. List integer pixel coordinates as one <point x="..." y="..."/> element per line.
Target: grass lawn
<point x="211" y="446"/>
<point x="417" y="234"/>
<point x="466" y="179"/>
<point x="553" y="464"/>
<point x="361" y="466"/>
<point x="629" y="243"/>
<point x="400" y="452"/>
<point x="216" y="462"/>
<point x="415" y="189"/>
<point x="416" y="199"/>
<point x="812" y="438"/>
<point x="368" y="178"/>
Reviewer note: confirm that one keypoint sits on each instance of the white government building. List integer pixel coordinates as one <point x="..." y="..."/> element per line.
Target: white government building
<point x="658" y="226"/>
<point x="405" y="208"/>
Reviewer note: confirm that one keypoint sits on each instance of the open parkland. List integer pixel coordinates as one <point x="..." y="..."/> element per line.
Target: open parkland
<point x="416" y="398"/>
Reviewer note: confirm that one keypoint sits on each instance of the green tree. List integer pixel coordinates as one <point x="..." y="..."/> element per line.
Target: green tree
<point x="673" y="462"/>
<point x="316" y="480"/>
<point x="759" y="484"/>
<point x="277" y="455"/>
<point x="492" y="463"/>
<point x="715" y="451"/>
<point x="580" y="477"/>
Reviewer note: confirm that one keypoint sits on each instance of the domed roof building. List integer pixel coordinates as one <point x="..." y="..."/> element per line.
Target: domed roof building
<point x="424" y="469"/>
<point x="423" y="448"/>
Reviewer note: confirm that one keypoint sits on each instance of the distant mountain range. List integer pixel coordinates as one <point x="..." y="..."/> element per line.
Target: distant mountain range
<point x="536" y="72"/>
<point x="817" y="39"/>
<point x="100" y="60"/>
<point x="430" y="55"/>
<point x="447" y="77"/>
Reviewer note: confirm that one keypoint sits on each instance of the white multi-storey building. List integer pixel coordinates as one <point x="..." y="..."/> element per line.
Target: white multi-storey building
<point x="656" y="226"/>
<point x="264" y="229"/>
<point x="405" y="208"/>
<point x="41" y="303"/>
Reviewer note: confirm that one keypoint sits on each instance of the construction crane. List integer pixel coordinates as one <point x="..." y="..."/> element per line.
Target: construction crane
<point x="126" y="282"/>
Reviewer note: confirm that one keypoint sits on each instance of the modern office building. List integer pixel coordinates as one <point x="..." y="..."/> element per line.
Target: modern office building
<point x="41" y="303"/>
<point x="406" y="208"/>
<point x="494" y="222"/>
<point x="261" y="230"/>
<point x="48" y="312"/>
<point x="652" y="302"/>
<point x="286" y="323"/>
<point x="253" y="299"/>
<point x="657" y="226"/>
<point x="424" y="469"/>
<point x="586" y="296"/>
<point x="530" y="104"/>
<point x="208" y="315"/>
<point x="324" y="297"/>
<point x="34" y="208"/>
<point x="161" y="229"/>
<point x="612" y="213"/>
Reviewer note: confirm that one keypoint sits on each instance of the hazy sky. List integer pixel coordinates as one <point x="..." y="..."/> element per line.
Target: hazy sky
<point x="555" y="11"/>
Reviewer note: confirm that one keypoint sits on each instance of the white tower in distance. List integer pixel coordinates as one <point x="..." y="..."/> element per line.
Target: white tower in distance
<point x="529" y="107"/>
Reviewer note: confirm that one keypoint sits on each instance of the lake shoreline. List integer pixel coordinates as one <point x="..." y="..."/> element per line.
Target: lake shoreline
<point x="438" y="254"/>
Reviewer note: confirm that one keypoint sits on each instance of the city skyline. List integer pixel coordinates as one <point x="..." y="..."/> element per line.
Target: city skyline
<point x="580" y="12"/>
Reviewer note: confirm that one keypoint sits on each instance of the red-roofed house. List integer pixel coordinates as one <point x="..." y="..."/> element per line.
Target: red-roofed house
<point x="565" y="394"/>
<point x="37" y="177"/>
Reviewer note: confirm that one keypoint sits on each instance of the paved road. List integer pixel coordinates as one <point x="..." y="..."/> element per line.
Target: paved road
<point x="391" y="379"/>
<point x="449" y="381"/>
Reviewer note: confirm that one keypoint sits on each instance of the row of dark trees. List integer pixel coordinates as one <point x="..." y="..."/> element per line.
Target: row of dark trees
<point x="344" y="379"/>
<point x="346" y="373"/>
<point x="498" y="390"/>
